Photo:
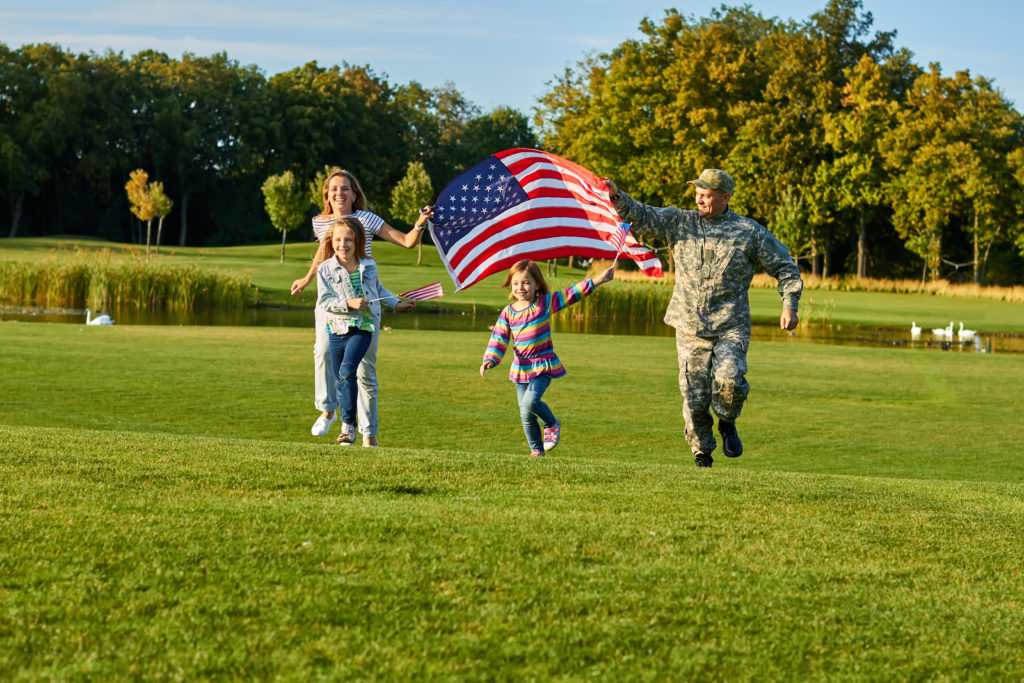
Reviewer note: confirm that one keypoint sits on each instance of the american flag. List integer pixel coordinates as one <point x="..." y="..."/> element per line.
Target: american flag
<point x="524" y="203"/>
<point x="620" y="238"/>
<point x="431" y="291"/>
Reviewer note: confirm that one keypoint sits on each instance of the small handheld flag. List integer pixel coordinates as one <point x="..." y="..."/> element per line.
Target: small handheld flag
<point x="620" y="240"/>
<point x="431" y="291"/>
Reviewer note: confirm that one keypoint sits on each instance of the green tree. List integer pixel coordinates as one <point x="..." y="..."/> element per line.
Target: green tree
<point x="410" y="194"/>
<point x="213" y="121"/>
<point x="285" y="204"/>
<point x="332" y="115"/>
<point x="854" y="178"/>
<point x="141" y="201"/>
<point x="923" y="160"/>
<point x="993" y="129"/>
<point x="435" y="126"/>
<point x="503" y="128"/>
<point x="162" y="205"/>
<point x="316" y="188"/>
<point x="41" y="98"/>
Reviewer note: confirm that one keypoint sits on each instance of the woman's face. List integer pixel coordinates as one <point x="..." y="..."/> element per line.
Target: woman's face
<point x="344" y="243"/>
<point x="341" y="195"/>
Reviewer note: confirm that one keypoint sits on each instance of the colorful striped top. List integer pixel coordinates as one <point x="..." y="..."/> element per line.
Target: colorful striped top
<point x="530" y="333"/>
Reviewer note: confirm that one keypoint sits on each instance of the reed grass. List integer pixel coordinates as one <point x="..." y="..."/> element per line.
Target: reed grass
<point x="92" y="278"/>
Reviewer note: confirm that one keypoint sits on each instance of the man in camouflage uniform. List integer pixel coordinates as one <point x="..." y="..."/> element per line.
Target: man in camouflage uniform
<point x="716" y="252"/>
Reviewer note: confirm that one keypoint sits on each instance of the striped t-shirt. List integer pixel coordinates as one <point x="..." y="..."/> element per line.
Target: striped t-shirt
<point x="530" y="333"/>
<point x="366" y="321"/>
<point x="371" y="224"/>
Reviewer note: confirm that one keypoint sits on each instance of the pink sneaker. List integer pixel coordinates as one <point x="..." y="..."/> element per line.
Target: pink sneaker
<point x="551" y="435"/>
<point x="536" y="454"/>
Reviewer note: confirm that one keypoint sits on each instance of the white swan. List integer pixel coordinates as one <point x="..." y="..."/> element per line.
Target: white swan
<point x="965" y="334"/>
<point x="939" y="331"/>
<point x="915" y="330"/>
<point x="949" y="330"/>
<point x="98" y="320"/>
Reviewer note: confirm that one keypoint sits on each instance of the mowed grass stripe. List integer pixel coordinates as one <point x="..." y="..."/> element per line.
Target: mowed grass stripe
<point x="812" y="408"/>
<point x="188" y="556"/>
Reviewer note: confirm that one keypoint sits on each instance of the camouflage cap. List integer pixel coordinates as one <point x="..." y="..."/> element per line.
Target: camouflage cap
<point x="713" y="179"/>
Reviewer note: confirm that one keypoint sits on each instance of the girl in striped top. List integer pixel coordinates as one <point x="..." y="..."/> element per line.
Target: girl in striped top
<point x="526" y="322"/>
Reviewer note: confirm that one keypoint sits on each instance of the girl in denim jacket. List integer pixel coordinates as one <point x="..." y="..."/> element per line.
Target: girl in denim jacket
<point x="350" y="293"/>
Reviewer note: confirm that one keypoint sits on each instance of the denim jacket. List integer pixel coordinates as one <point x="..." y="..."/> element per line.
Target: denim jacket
<point x="334" y="289"/>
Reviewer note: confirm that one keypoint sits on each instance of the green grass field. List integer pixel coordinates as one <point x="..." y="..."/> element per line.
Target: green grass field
<point x="164" y="513"/>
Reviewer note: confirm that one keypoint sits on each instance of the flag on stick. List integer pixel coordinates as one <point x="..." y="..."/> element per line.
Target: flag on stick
<point x="620" y="240"/>
<point x="527" y="204"/>
<point x="431" y="291"/>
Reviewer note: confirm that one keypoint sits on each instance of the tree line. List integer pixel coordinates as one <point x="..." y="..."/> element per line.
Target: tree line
<point x="73" y="127"/>
<point x="860" y="160"/>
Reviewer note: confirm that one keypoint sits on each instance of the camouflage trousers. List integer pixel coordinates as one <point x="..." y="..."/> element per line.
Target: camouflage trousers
<point x="712" y="376"/>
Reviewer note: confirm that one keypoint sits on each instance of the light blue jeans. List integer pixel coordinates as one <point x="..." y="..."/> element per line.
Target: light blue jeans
<point x="324" y="395"/>
<point x="346" y="352"/>
<point x="532" y="408"/>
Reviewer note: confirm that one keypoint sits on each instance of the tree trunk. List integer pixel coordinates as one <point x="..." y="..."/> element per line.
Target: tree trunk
<point x="159" y="229"/>
<point x="17" y="203"/>
<point x="149" y="231"/>
<point x="862" y="249"/>
<point x="983" y="266"/>
<point x="977" y="270"/>
<point x="284" y="236"/>
<point x="815" y="265"/>
<point x="184" y="219"/>
<point x="826" y="258"/>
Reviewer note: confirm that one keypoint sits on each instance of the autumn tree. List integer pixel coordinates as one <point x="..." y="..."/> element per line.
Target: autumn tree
<point x="141" y="200"/>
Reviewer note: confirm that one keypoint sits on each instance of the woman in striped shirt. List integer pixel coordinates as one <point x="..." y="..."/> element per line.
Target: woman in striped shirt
<point x="343" y="196"/>
<point x="526" y="322"/>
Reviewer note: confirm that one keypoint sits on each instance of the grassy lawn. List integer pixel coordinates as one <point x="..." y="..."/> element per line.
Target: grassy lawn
<point x="164" y="513"/>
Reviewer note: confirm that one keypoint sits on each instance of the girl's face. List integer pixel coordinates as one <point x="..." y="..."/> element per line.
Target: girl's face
<point x="341" y="195"/>
<point x="344" y="243"/>
<point x="523" y="287"/>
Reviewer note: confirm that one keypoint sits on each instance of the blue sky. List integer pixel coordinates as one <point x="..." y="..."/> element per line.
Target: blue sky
<point x="496" y="53"/>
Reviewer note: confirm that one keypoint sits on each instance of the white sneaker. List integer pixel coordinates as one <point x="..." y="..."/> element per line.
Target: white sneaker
<point x="323" y="424"/>
<point x="552" y="435"/>
<point x="348" y="434"/>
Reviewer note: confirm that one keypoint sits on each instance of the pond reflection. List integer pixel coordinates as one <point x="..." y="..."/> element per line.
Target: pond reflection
<point x="482" y="320"/>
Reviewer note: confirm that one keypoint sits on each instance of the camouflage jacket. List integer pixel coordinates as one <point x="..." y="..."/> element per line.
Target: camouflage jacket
<point x="715" y="260"/>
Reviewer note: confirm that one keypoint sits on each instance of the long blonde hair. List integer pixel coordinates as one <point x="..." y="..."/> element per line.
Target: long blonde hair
<point x="359" y="204"/>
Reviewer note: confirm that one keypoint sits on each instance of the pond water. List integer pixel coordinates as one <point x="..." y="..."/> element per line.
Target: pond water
<point x="481" y="322"/>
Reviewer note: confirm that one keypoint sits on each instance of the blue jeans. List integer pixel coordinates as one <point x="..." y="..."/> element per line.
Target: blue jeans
<point x="346" y="351"/>
<point x="531" y="408"/>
